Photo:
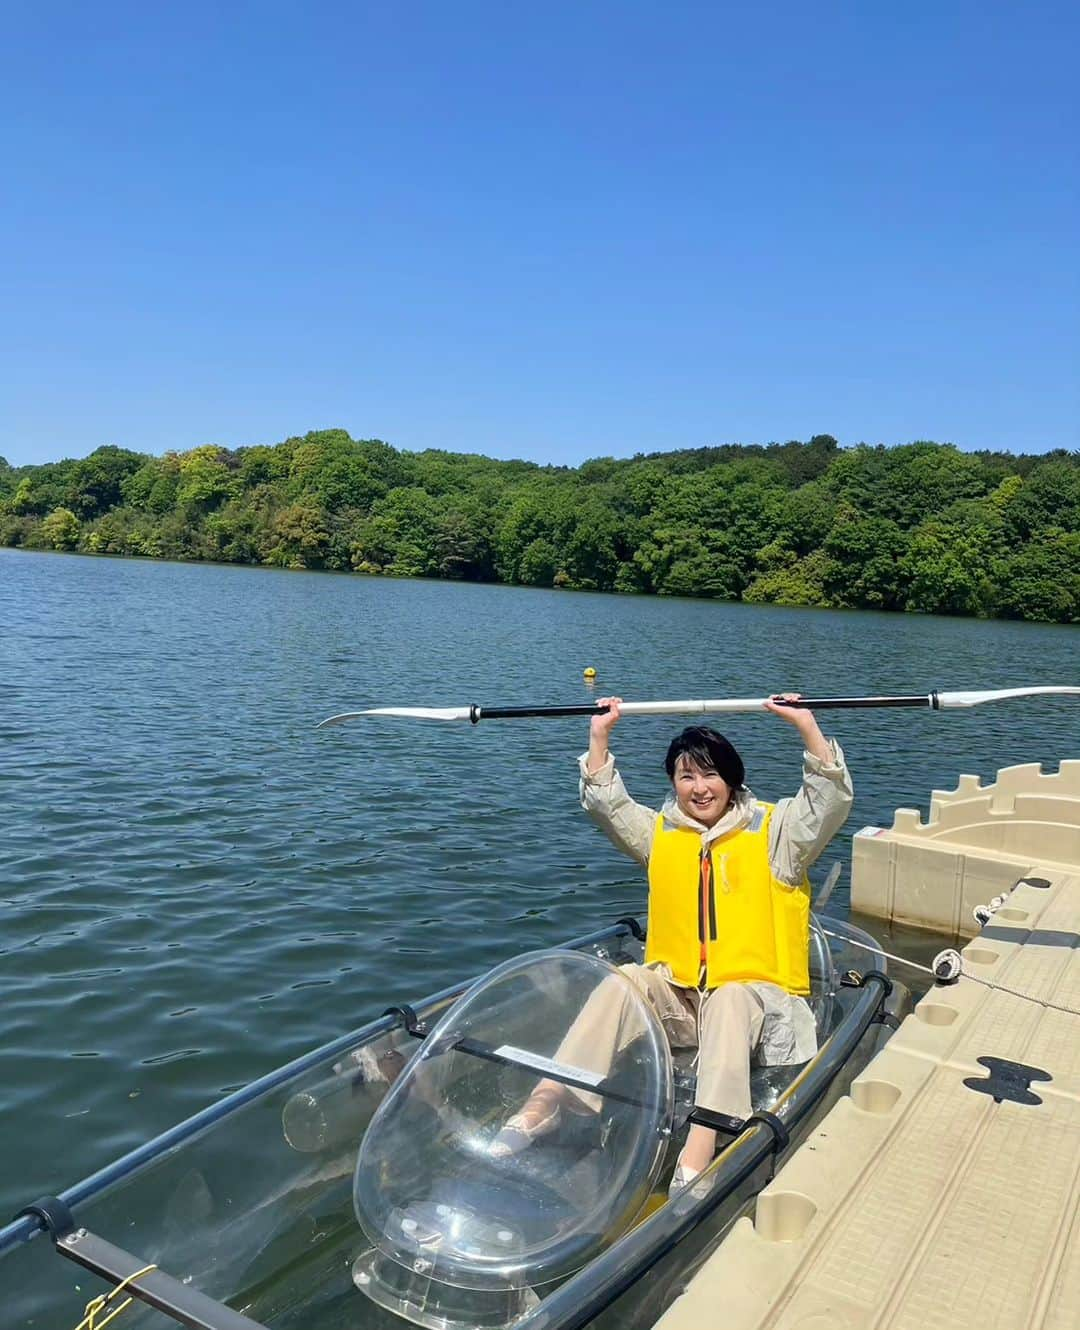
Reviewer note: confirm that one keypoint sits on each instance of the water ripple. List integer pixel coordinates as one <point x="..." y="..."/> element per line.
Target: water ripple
<point x="198" y="886"/>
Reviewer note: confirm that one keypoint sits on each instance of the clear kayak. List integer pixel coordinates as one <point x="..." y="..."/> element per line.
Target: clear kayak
<point x="368" y="1185"/>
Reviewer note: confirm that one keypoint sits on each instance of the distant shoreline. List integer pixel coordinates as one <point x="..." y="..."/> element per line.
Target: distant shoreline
<point x="920" y="528"/>
<point x="512" y="586"/>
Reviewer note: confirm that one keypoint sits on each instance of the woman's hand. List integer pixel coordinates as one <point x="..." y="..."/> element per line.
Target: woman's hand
<point x="600" y="727"/>
<point x="796" y="716"/>
<point x="804" y="721"/>
<point x="603" y="722"/>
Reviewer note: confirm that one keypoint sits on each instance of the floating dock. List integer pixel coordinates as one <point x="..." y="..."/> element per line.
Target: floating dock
<point x="977" y="841"/>
<point x="944" y="1191"/>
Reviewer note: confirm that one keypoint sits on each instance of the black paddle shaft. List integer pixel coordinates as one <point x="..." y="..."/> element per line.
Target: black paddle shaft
<point x="517" y="713"/>
<point x="477" y="713"/>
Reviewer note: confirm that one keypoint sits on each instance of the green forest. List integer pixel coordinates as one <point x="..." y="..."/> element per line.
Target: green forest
<point x="922" y="527"/>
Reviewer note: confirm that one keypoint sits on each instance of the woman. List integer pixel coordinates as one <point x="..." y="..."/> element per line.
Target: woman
<point x="726" y="960"/>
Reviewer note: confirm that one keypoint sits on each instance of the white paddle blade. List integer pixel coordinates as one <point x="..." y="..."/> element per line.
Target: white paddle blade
<point x="411" y="713"/>
<point x="827" y="887"/>
<point x="1003" y="695"/>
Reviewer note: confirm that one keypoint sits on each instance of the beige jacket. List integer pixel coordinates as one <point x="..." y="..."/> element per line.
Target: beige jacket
<point x="800" y="829"/>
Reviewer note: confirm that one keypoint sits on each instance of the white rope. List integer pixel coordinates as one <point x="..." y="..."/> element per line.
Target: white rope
<point x="982" y="914"/>
<point x="948" y="966"/>
<point x="901" y="960"/>
<point x="1015" y="992"/>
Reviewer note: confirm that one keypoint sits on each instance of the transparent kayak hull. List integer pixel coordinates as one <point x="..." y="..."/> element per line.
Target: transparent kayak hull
<point x="452" y="1200"/>
<point x="259" y="1204"/>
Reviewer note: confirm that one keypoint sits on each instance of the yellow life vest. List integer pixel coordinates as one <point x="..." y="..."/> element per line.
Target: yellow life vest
<point x="721" y="902"/>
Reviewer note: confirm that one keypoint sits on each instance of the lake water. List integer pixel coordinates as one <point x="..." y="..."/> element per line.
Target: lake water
<point x="196" y="885"/>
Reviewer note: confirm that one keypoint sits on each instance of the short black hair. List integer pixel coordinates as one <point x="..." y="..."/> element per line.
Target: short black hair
<point x="707" y="749"/>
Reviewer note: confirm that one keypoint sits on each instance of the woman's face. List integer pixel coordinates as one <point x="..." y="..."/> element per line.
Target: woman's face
<point x="700" y="792"/>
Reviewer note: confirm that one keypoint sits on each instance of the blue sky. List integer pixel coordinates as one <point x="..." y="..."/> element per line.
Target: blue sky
<point x="551" y="231"/>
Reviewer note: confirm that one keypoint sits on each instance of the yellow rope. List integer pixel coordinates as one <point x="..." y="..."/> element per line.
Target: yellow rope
<point x="98" y="1304"/>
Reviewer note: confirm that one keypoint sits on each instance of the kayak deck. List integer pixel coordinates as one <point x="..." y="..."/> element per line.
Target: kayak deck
<point x="921" y="1200"/>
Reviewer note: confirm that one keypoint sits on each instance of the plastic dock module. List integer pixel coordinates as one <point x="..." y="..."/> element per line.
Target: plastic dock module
<point x="944" y="1192"/>
<point x="977" y="842"/>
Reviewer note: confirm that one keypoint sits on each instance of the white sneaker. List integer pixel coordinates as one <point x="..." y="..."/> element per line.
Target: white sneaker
<point x="682" y="1177"/>
<point x="520" y="1132"/>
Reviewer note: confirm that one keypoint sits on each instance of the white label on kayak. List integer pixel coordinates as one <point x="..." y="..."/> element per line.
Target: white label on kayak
<point x="540" y="1063"/>
<point x="870" y="831"/>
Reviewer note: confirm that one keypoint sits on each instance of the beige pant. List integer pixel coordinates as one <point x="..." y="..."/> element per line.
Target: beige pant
<point x="724" y="1024"/>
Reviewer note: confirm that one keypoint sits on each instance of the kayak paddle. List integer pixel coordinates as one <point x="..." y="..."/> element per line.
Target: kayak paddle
<point x="936" y="701"/>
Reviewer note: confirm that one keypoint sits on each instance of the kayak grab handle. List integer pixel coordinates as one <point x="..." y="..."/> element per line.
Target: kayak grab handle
<point x="632" y="926"/>
<point x="707" y="1117"/>
<point x="134" y="1276"/>
<point x="53" y="1213"/>
<point x="409" y="1019"/>
<point x="131" y="1274"/>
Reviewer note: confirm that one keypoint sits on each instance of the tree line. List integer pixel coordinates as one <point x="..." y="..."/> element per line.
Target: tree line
<point x="922" y="527"/>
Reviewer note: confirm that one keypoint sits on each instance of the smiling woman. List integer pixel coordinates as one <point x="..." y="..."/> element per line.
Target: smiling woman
<point x="705" y="771"/>
<point x="725" y="966"/>
<point x="729" y="903"/>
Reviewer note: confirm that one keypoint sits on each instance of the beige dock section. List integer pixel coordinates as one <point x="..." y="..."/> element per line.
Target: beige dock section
<point x="978" y="840"/>
<point x="920" y="1202"/>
